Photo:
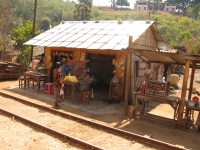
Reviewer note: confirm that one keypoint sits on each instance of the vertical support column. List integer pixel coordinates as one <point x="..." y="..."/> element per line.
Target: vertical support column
<point x="184" y="87"/>
<point x="47" y="61"/>
<point x="128" y="77"/>
<point x="191" y="80"/>
<point x="33" y="29"/>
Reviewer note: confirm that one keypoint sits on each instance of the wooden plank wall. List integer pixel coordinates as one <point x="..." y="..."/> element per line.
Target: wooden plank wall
<point x="9" y="70"/>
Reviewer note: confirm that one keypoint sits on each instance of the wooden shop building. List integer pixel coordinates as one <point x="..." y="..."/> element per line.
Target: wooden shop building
<point x="129" y="48"/>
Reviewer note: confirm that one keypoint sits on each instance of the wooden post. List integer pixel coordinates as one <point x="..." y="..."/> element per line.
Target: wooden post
<point x="184" y="87"/>
<point x="33" y="29"/>
<point x="191" y="80"/>
<point x="128" y="77"/>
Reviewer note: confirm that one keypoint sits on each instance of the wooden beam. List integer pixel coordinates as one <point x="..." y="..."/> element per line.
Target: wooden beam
<point x="191" y="81"/>
<point x="173" y="55"/>
<point x="128" y="77"/>
<point x="184" y="87"/>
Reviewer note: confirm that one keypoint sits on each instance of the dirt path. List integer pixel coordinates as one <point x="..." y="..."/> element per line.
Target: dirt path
<point x="188" y="138"/>
<point x="15" y="135"/>
<point x="76" y="129"/>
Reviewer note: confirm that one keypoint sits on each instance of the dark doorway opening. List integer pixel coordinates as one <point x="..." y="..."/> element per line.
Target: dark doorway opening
<point x="100" y="68"/>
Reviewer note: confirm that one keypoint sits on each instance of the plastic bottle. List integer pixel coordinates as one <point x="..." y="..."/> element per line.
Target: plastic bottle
<point x="30" y="64"/>
<point x="163" y="80"/>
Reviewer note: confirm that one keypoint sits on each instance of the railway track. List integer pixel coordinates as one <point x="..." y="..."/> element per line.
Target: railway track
<point x="86" y="125"/>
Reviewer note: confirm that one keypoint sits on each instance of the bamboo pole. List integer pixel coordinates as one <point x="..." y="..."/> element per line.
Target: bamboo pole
<point x="128" y="76"/>
<point x="191" y="80"/>
<point x="184" y="87"/>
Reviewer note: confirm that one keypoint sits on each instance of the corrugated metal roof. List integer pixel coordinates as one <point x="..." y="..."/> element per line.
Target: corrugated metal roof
<point x="164" y="57"/>
<point x="102" y="35"/>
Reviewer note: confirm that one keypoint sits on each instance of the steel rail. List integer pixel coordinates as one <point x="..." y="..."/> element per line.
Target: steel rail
<point x="138" y="137"/>
<point x="52" y="131"/>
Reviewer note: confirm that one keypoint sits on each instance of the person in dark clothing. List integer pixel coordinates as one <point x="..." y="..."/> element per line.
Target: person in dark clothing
<point x="57" y="84"/>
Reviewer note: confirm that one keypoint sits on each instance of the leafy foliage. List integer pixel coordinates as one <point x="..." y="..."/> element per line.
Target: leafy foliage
<point x="83" y="10"/>
<point x="20" y="35"/>
<point x="122" y="3"/>
<point x="176" y="30"/>
<point x="5" y="27"/>
<point x="186" y="4"/>
<point x="45" y="23"/>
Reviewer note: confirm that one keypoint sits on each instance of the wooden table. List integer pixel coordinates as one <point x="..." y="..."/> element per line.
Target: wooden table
<point x="173" y="104"/>
<point x="36" y="77"/>
<point x="71" y="86"/>
<point x="189" y="109"/>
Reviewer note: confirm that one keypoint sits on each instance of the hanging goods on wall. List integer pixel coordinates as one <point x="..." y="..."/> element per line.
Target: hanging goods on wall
<point x="115" y="80"/>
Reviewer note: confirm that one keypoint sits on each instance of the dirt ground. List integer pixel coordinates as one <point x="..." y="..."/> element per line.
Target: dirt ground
<point x="112" y="115"/>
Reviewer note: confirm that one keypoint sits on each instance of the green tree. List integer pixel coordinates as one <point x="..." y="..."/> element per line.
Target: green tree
<point x="45" y="23"/>
<point x="195" y="8"/>
<point x="154" y="2"/>
<point x="122" y="3"/>
<point x="5" y="26"/>
<point x="182" y="4"/>
<point x="20" y="35"/>
<point x="83" y="10"/>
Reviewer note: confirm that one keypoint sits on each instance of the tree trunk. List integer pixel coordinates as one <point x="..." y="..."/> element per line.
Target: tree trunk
<point x="3" y="52"/>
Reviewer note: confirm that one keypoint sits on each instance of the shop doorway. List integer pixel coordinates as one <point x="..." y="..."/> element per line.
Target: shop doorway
<point x="100" y="68"/>
<point x="57" y="56"/>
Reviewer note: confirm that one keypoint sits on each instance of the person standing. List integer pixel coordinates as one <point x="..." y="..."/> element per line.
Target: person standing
<point x="57" y="76"/>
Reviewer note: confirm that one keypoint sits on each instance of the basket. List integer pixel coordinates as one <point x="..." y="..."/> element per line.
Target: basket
<point x="84" y="86"/>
